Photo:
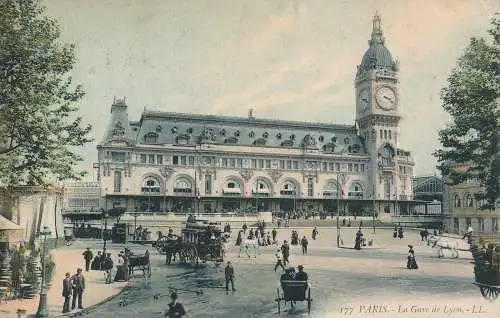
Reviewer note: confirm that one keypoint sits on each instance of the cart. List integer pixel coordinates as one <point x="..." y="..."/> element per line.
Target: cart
<point x="293" y="291"/>
<point x="486" y="272"/>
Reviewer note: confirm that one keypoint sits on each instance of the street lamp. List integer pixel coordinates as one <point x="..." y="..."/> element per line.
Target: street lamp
<point x="42" y="305"/>
<point x="341" y="176"/>
<point x="104" y="234"/>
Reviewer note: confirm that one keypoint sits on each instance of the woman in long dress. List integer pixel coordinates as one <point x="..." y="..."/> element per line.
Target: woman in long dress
<point x="411" y="263"/>
<point x="120" y="265"/>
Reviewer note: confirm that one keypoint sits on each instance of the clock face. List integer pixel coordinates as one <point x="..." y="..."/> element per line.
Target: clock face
<point x="364" y="99"/>
<point x="386" y="97"/>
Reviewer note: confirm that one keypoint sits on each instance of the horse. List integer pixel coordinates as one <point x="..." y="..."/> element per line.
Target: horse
<point x="250" y="245"/>
<point x="444" y="244"/>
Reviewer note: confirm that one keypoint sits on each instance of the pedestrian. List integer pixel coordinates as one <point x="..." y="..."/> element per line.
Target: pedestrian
<point x="400" y="232"/>
<point x="96" y="263"/>
<point x="88" y="256"/>
<point x="274" y="233"/>
<point x="78" y="282"/>
<point x="120" y="271"/>
<point x="175" y="309"/>
<point x="229" y="274"/>
<point x="395" y="232"/>
<point x="314" y="233"/>
<point x="245" y="227"/>
<point x="411" y="263"/>
<point x="359" y="239"/>
<point x="108" y="267"/>
<point x="279" y="260"/>
<point x="301" y="275"/>
<point x="285" y="250"/>
<point x="304" y="244"/>
<point x="66" y="292"/>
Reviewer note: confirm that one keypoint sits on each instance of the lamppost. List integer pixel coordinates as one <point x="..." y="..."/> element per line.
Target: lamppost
<point x="42" y="305"/>
<point x="105" y="233"/>
<point x="339" y="176"/>
<point x="373" y="211"/>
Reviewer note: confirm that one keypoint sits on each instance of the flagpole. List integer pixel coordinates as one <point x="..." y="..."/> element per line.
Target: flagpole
<point x="373" y="213"/>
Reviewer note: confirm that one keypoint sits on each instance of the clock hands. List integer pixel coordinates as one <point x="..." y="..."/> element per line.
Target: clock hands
<point x="389" y="99"/>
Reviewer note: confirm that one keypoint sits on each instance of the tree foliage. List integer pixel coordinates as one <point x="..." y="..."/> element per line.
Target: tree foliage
<point x="39" y="127"/>
<point x="472" y="98"/>
<point x="117" y="213"/>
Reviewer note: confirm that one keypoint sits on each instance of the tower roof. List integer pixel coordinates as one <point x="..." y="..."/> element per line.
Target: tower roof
<point x="377" y="56"/>
<point x="118" y="129"/>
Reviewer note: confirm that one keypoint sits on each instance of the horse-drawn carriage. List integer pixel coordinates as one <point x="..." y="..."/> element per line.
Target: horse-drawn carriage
<point x="199" y="241"/>
<point x="293" y="291"/>
<point x="141" y="262"/>
<point x="486" y="271"/>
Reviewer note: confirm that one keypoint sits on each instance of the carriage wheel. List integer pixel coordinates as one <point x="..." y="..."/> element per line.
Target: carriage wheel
<point x="278" y="299"/>
<point x="309" y="301"/>
<point x="490" y="293"/>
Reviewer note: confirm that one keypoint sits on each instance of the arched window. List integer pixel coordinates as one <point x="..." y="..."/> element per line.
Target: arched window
<point x="150" y="185"/>
<point x="356" y="190"/>
<point x="390" y="134"/>
<point x="278" y="136"/>
<point x="331" y="188"/>
<point x="385" y="134"/>
<point x="469" y="201"/>
<point x="457" y="202"/>
<point x="289" y="188"/>
<point x="265" y="135"/>
<point x="151" y="138"/>
<point x="232" y="187"/>
<point x="183" y="185"/>
<point x="261" y="188"/>
<point x="321" y="138"/>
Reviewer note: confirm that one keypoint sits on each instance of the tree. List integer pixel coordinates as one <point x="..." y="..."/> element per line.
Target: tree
<point x="472" y="98"/>
<point x="39" y="128"/>
<point x="117" y="213"/>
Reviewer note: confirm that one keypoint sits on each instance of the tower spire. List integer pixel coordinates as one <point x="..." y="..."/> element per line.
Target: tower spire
<point x="377" y="35"/>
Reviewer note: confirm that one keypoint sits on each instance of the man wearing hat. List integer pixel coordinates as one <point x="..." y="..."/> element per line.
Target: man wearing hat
<point x="301" y="275"/>
<point x="66" y="292"/>
<point x="175" y="309"/>
<point x="88" y="256"/>
<point x="229" y="274"/>
<point x="78" y="287"/>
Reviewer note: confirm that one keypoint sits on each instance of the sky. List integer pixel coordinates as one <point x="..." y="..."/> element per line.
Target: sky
<point x="285" y="59"/>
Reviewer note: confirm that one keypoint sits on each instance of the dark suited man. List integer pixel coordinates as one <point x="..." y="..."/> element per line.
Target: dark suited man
<point x="229" y="274"/>
<point x="66" y="292"/>
<point x="78" y="288"/>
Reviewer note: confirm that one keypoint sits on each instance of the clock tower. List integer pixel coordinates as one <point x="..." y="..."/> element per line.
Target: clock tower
<point x="377" y="113"/>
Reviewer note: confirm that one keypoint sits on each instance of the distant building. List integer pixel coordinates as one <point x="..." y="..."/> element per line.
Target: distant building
<point x="463" y="203"/>
<point x="429" y="190"/>
<point x="188" y="163"/>
<point x="34" y="208"/>
<point x="81" y="197"/>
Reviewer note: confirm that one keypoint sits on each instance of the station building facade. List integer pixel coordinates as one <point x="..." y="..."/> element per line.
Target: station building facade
<point x="184" y="163"/>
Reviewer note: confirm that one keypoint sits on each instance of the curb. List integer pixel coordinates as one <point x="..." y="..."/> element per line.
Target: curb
<point x="90" y="308"/>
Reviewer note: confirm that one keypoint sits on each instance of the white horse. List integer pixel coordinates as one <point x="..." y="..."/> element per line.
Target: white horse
<point x="250" y="246"/>
<point x="444" y="244"/>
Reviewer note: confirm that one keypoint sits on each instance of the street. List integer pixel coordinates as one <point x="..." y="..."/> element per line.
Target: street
<point x="345" y="282"/>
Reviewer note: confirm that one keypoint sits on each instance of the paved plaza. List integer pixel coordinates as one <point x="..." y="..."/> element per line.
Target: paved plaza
<point x="372" y="282"/>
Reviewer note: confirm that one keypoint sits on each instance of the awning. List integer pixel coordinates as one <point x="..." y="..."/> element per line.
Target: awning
<point x="232" y="190"/>
<point x="10" y="231"/>
<point x="261" y="191"/>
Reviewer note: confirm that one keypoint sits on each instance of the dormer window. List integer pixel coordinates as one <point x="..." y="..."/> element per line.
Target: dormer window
<point x="265" y="135"/>
<point x="278" y="136"/>
<point x="237" y="133"/>
<point x="189" y="131"/>
<point x="174" y="130"/>
<point x="251" y="134"/>
<point x="183" y="139"/>
<point x="355" y="148"/>
<point x="158" y="129"/>
<point x="151" y="138"/>
<point x="223" y="132"/>
<point x="287" y="144"/>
